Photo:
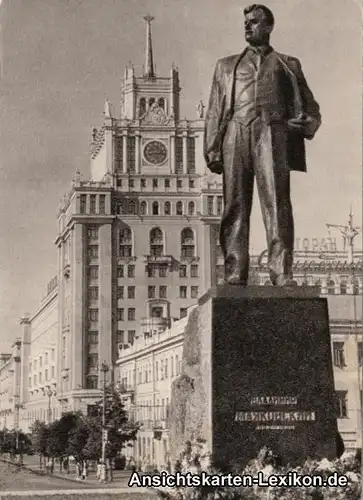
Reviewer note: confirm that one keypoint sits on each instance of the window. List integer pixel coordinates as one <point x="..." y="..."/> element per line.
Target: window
<point x="119" y="183"/>
<point x="162" y="292"/>
<point x="182" y="271"/>
<point x="338" y="354"/>
<point x="191" y="183"/>
<point x="342" y="404"/>
<point x="92" y="232"/>
<point x="92" y="338"/>
<point x="102" y="206"/>
<point x="131" y="271"/>
<point x="166" y="369"/>
<point x="355" y="287"/>
<point x="93" y="252"/>
<point x="46" y="358"/>
<point x="92" y="382"/>
<point x="40" y="362"/>
<point x="92" y="203"/>
<point x="120" y="314"/>
<point x="151" y="270"/>
<point x="93" y="272"/>
<point x="161" y="102"/>
<point x="83" y="204"/>
<point x="46" y="375"/>
<point x="125" y="242"/>
<point x="167" y="183"/>
<point x="178" y="155"/>
<point x="318" y="285"/>
<point x="156" y="242"/>
<point x="120" y="292"/>
<point x="120" y="337"/>
<point x="53" y="354"/>
<point x="194" y="292"/>
<point x="331" y="287"/>
<point x="130" y="292"/>
<point x="155" y="208"/>
<point x="172" y="366"/>
<point x="143" y="183"/>
<point x="53" y="371"/>
<point x="151" y="292"/>
<point x="157" y="312"/>
<point x="156" y="370"/>
<point x="163" y="271"/>
<point x="191" y="155"/>
<point x="93" y="293"/>
<point x="194" y="271"/>
<point x="210" y="205"/>
<point x="179" y="183"/>
<point x="187" y="243"/>
<point x="131" y="154"/>
<point x="360" y="353"/>
<point x="183" y="312"/>
<point x="167" y="208"/>
<point x="40" y="377"/>
<point x="219" y="205"/>
<point x="177" y="365"/>
<point x="131" y="207"/>
<point x="155" y="183"/>
<point x="120" y="272"/>
<point x="131" y="314"/>
<point x="179" y="208"/>
<point x="191" y="208"/>
<point x="142" y="106"/>
<point x="93" y="315"/>
<point x="162" y="369"/>
<point x="143" y="208"/>
<point x="131" y="183"/>
<point x="92" y="361"/>
<point x="131" y="334"/>
<point x="183" y="292"/>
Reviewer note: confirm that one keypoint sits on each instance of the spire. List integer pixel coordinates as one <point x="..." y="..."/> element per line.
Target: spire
<point x="149" y="63"/>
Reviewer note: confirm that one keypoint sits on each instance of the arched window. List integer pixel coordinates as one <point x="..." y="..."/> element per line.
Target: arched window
<point x="191" y="208"/>
<point x="331" y="287"/>
<point x="151" y="101"/>
<point x="131" y="207"/>
<point x="167" y="208"/>
<point x="156" y="242"/>
<point x="155" y="208"/>
<point x="161" y="102"/>
<point x="187" y="243"/>
<point x="142" y="106"/>
<point x="125" y="242"/>
<point x="355" y="287"/>
<point x="343" y="287"/>
<point x="179" y="208"/>
<point x="143" y="208"/>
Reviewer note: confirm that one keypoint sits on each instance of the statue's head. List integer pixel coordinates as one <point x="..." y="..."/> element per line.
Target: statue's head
<point x="259" y="23"/>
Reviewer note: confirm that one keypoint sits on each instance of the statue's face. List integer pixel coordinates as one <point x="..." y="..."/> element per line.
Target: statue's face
<point x="257" y="30"/>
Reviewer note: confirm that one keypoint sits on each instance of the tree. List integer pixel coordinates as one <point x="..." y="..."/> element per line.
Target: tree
<point x="39" y="434"/>
<point x="120" y="430"/>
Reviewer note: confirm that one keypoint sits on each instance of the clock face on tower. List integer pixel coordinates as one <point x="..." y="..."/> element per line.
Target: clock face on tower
<point x="155" y="152"/>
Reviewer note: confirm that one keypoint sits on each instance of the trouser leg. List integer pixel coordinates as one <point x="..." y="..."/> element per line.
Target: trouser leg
<point x="238" y="191"/>
<point x="273" y="182"/>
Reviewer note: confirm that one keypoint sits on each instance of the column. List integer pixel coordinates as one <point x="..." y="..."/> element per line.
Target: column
<point x="185" y="153"/>
<point x="172" y="153"/>
<point x="124" y="153"/>
<point x="137" y="153"/>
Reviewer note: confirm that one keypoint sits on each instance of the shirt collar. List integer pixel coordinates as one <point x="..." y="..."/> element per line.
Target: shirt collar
<point x="263" y="49"/>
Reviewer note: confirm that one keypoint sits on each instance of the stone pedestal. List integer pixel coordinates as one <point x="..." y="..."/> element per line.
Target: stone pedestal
<point x="257" y="371"/>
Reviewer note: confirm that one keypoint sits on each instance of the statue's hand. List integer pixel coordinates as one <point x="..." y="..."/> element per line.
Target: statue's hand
<point x="216" y="167"/>
<point x="303" y="125"/>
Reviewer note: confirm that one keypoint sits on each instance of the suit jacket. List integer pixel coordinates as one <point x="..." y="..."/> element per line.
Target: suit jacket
<point x="285" y="95"/>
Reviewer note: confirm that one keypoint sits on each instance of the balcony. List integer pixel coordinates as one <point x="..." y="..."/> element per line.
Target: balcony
<point x="126" y="389"/>
<point x="158" y="259"/>
<point x="153" y="325"/>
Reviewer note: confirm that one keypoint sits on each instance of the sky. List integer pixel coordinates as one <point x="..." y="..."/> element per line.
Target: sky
<point x="62" y="58"/>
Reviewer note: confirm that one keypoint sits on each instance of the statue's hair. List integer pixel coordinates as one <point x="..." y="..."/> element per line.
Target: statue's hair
<point x="268" y="13"/>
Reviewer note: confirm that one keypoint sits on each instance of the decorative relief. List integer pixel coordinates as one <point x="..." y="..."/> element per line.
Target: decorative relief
<point x="155" y="116"/>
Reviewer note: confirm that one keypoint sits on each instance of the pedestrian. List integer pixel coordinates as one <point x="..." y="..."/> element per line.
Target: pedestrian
<point x="84" y="471"/>
<point x="98" y="473"/>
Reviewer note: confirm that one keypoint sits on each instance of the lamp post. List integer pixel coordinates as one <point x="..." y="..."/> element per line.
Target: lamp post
<point x="50" y="393"/>
<point x="103" y="475"/>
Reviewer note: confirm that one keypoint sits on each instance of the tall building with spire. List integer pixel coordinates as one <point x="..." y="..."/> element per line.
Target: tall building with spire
<point x="134" y="240"/>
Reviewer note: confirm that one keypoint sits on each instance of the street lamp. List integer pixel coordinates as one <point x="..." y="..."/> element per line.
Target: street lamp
<point x="50" y="393"/>
<point x="103" y="475"/>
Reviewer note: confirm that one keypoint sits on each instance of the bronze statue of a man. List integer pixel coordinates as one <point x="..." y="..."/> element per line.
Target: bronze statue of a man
<point x="260" y="112"/>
